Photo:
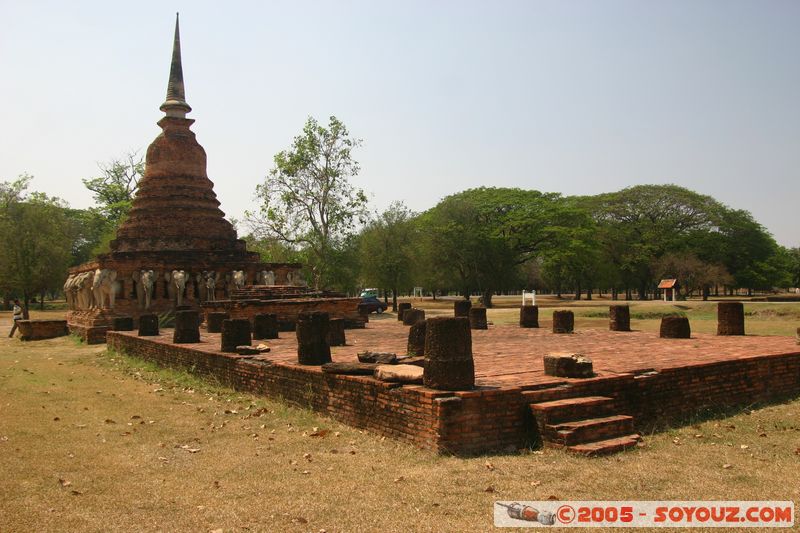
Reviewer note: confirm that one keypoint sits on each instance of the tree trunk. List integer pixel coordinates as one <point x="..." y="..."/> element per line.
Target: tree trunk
<point x="394" y="300"/>
<point x="589" y="293"/>
<point x="705" y="293"/>
<point x="41" y="301"/>
<point x="578" y="292"/>
<point x="25" y="301"/>
<point x="643" y="291"/>
<point x="385" y="297"/>
<point x="614" y="293"/>
<point x="487" y="299"/>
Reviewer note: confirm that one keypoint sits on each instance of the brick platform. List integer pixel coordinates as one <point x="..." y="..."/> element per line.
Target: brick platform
<point x="646" y="377"/>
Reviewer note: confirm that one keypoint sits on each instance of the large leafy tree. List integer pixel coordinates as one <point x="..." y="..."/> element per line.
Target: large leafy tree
<point x="36" y="239"/>
<point x="113" y="192"/>
<point x="307" y="200"/>
<point x="482" y="237"/>
<point x="640" y="224"/>
<point x="387" y="249"/>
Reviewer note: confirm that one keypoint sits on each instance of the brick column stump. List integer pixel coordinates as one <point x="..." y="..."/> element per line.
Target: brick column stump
<point x="235" y="332"/>
<point x="148" y="325"/>
<point x="187" y="327"/>
<point x="312" y="339"/>
<point x="675" y="327"/>
<point x="363" y="310"/>
<point x="336" y="335"/>
<point x="529" y="316"/>
<point x="477" y="318"/>
<point x="448" y="354"/>
<point x="619" y="318"/>
<point x="402" y="308"/>
<point x="563" y="322"/>
<point x="214" y="323"/>
<point x="412" y="316"/>
<point x="461" y="308"/>
<point x="265" y="326"/>
<point x="730" y="318"/>
<point x="416" y="338"/>
<point x="122" y="323"/>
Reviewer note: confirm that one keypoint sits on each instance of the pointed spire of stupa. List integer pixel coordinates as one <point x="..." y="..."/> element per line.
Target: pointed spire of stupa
<point x="175" y="104"/>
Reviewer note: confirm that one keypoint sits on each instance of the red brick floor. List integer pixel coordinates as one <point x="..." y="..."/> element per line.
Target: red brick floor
<point x="509" y="356"/>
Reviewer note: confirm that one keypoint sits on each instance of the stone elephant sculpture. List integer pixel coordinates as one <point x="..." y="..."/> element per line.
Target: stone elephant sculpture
<point x="68" y="292"/>
<point x="103" y="287"/>
<point x="266" y="277"/>
<point x="145" y="285"/>
<point x="177" y="283"/>
<point x="210" y="283"/>
<point x="239" y="278"/>
<point x="295" y="279"/>
<point x="82" y="287"/>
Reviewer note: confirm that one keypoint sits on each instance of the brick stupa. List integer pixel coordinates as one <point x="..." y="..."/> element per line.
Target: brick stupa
<point x="175" y="224"/>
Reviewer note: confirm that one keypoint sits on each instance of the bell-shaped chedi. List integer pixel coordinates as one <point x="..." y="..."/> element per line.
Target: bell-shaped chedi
<point x="175" y="208"/>
<point x="175" y="250"/>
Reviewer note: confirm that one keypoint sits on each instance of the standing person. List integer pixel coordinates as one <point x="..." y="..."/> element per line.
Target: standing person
<point x="16" y="315"/>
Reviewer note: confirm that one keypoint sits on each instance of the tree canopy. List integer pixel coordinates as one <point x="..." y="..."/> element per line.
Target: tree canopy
<point x="307" y="200"/>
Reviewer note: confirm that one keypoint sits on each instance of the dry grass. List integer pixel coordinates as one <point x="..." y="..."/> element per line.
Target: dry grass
<point x="91" y="441"/>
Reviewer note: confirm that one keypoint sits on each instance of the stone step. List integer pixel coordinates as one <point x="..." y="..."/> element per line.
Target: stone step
<point x="568" y="409"/>
<point x="607" y="446"/>
<point x="589" y="430"/>
<point x="545" y="395"/>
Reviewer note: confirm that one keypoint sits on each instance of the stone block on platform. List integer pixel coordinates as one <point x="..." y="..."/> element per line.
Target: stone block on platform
<point x="568" y="365"/>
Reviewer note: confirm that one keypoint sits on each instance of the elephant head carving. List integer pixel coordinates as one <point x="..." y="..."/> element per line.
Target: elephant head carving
<point x="266" y="277"/>
<point x="103" y="285"/>
<point x="210" y="285"/>
<point x="145" y="285"/>
<point x="177" y="281"/>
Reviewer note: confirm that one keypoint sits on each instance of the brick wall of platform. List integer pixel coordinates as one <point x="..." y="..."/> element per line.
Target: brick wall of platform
<point x="481" y="420"/>
<point x="287" y="310"/>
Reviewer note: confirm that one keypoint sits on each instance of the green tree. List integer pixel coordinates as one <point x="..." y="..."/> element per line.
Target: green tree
<point x="387" y="249"/>
<point x="307" y="200"/>
<point x="640" y="224"/>
<point x="794" y="266"/>
<point x="113" y="192"/>
<point x="114" y="189"/>
<point x="480" y="239"/>
<point x="37" y="241"/>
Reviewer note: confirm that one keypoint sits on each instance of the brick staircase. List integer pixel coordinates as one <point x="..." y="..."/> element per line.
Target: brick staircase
<point x="587" y="425"/>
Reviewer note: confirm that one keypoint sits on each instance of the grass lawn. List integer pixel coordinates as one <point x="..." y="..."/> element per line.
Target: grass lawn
<point x="92" y="441"/>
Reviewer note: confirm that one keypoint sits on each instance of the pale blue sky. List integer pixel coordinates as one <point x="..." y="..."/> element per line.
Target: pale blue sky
<point x="578" y="97"/>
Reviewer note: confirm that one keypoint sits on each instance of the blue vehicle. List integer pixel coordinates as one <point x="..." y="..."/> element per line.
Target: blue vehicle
<point x="372" y="305"/>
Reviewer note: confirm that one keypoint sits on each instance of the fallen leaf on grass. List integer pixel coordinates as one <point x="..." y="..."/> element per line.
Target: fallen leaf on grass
<point x="489" y="465"/>
<point x="56" y="419"/>
<point x="535" y="483"/>
<point x="553" y="498"/>
<point x="188" y="448"/>
<point x="299" y="520"/>
<point x="399" y="479"/>
<point x="109" y="421"/>
<point x="489" y="489"/>
<point x="76" y="492"/>
<point x="726" y="466"/>
<point x="64" y="482"/>
<point x="797" y="451"/>
<point x="320" y="433"/>
<point x="744" y="446"/>
<point x="307" y="456"/>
